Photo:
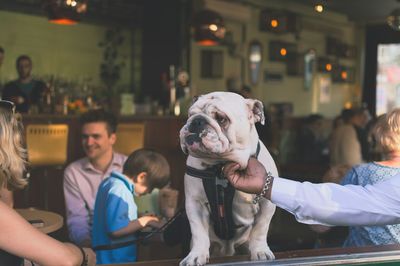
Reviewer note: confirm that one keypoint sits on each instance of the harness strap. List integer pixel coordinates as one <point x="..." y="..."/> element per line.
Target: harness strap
<point x="220" y="194"/>
<point x="220" y="197"/>
<point x="209" y="173"/>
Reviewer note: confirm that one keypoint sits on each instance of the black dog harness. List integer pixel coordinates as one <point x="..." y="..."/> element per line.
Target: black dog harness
<point x="220" y="195"/>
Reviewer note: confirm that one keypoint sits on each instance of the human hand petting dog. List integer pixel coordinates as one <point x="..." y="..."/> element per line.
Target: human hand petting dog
<point x="250" y="180"/>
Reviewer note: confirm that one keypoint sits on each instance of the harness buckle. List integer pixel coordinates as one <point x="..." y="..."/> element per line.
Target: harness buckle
<point x="221" y="182"/>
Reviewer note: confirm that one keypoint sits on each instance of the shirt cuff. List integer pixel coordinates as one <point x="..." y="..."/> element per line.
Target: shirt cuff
<point x="283" y="193"/>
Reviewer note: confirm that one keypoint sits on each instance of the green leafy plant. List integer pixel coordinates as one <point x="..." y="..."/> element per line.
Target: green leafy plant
<point x="110" y="68"/>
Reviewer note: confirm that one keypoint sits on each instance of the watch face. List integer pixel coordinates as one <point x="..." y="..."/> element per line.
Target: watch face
<point x="183" y="77"/>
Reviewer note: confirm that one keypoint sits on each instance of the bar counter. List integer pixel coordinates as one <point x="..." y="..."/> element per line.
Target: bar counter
<point x="388" y="255"/>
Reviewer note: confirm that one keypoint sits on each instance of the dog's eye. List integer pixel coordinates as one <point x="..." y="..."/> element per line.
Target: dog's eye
<point x="222" y="120"/>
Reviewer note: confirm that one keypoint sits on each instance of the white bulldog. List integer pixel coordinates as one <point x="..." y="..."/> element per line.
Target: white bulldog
<point x="221" y="128"/>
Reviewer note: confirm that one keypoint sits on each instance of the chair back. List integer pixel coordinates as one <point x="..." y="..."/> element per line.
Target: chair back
<point x="47" y="144"/>
<point x="130" y="137"/>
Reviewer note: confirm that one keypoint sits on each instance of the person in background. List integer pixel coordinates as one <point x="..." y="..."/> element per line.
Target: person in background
<point x="360" y="123"/>
<point x="2" y="54"/>
<point x="25" y="91"/>
<point x="115" y="211"/>
<point x="18" y="238"/>
<point x="311" y="144"/>
<point x="387" y="135"/>
<point x="345" y="147"/>
<point x="83" y="177"/>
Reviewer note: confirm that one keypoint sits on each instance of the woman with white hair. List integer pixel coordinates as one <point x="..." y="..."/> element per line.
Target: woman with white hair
<point x="387" y="136"/>
<point x="19" y="239"/>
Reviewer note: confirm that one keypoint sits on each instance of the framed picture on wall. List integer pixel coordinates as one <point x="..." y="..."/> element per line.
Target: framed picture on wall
<point x="343" y="74"/>
<point x="282" y="51"/>
<point x="212" y="64"/>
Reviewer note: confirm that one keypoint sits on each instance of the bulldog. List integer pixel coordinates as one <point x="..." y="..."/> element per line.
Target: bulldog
<point x="221" y="128"/>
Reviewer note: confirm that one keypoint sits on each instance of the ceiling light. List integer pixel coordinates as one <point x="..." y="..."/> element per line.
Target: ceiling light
<point x="328" y="67"/>
<point x="274" y="23"/>
<point x="66" y="12"/>
<point x="393" y="20"/>
<point x="319" y="8"/>
<point x="209" y="28"/>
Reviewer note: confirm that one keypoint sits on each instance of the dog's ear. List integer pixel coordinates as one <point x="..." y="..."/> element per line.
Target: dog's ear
<point x="195" y="98"/>
<point x="256" y="108"/>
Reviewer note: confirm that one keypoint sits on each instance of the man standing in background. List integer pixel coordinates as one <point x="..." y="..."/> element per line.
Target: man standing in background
<point x="24" y="91"/>
<point x="1" y="55"/>
<point x="83" y="177"/>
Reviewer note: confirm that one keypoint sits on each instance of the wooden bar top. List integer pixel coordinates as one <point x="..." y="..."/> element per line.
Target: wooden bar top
<point x="278" y="255"/>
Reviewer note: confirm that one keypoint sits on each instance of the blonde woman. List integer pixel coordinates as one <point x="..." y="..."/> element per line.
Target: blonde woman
<point x="19" y="239"/>
<point x="387" y="135"/>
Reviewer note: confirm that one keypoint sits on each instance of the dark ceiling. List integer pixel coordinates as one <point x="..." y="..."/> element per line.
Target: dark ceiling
<point x="123" y="11"/>
<point x="120" y="12"/>
<point x="363" y="11"/>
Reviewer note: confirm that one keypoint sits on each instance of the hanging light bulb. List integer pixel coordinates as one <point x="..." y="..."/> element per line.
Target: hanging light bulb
<point x="393" y="20"/>
<point x="65" y="12"/>
<point x="319" y="8"/>
<point x="209" y="28"/>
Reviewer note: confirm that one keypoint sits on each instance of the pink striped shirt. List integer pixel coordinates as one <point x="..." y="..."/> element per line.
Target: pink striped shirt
<point x="81" y="182"/>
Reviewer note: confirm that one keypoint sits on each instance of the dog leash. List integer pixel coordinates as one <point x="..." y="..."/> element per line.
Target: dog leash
<point x="139" y="239"/>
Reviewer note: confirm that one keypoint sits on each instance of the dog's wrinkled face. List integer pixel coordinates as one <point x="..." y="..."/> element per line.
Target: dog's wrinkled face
<point x="221" y="126"/>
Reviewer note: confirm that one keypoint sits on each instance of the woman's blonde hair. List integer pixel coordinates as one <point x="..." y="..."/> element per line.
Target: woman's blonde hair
<point x="387" y="132"/>
<point x="12" y="154"/>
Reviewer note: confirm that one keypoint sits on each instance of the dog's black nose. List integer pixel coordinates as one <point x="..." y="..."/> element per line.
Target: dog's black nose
<point x="190" y="139"/>
<point x="197" y="125"/>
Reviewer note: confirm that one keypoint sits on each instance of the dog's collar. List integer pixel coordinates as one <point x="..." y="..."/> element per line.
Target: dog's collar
<point x="213" y="171"/>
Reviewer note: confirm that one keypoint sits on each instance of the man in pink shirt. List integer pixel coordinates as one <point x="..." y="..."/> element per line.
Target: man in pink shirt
<point x="83" y="177"/>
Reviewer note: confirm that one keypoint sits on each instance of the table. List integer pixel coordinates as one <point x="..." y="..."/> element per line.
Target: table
<point x="47" y="222"/>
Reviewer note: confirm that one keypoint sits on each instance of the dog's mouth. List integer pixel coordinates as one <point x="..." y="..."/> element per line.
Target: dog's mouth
<point x="207" y="141"/>
<point x="193" y="137"/>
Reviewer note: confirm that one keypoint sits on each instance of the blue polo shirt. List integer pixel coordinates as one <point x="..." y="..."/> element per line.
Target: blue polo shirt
<point x="113" y="210"/>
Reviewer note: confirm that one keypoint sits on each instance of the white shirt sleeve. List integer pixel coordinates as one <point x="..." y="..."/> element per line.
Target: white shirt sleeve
<point x="333" y="204"/>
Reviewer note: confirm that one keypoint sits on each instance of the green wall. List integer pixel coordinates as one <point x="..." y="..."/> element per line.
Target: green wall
<point x="70" y="53"/>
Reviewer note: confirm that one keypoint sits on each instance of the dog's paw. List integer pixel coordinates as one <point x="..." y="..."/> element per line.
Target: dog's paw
<point x="262" y="254"/>
<point x="195" y="258"/>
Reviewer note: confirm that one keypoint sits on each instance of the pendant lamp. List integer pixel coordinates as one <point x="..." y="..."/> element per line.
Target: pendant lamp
<point x="65" y="12"/>
<point x="209" y="29"/>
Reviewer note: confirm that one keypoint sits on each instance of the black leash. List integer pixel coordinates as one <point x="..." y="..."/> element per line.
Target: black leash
<point x="139" y="239"/>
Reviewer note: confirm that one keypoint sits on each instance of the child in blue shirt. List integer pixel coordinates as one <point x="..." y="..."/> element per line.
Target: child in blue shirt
<point x="115" y="213"/>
